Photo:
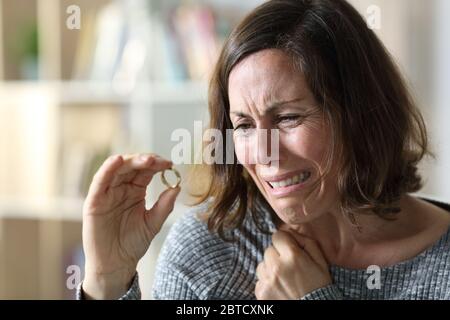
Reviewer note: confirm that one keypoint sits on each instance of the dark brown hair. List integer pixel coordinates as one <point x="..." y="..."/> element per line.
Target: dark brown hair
<point x="378" y="135"/>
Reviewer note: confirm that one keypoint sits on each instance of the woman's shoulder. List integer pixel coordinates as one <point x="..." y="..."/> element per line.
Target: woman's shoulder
<point x="436" y="214"/>
<point x="435" y="237"/>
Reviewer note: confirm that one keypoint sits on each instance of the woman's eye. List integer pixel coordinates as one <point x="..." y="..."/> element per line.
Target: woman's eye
<point x="288" y="119"/>
<point x="244" y="126"/>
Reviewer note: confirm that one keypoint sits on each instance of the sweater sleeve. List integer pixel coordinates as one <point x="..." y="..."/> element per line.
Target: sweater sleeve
<point x="133" y="293"/>
<point x="330" y="292"/>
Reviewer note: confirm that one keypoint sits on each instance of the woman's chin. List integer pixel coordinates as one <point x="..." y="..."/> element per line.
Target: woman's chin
<point x="290" y="211"/>
<point x="291" y="215"/>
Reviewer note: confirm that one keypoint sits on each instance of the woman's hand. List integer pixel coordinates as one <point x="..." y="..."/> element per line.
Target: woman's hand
<point x="117" y="228"/>
<point x="293" y="267"/>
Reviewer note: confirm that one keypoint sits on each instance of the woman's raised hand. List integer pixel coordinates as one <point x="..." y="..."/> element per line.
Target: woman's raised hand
<point x="117" y="227"/>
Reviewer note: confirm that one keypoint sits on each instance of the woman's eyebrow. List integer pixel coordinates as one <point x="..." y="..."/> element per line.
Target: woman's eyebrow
<point x="270" y="109"/>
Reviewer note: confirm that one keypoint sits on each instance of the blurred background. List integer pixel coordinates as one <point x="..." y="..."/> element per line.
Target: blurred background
<point x="120" y="79"/>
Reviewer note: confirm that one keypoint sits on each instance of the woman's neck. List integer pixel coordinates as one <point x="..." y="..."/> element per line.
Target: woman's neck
<point x="344" y="245"/>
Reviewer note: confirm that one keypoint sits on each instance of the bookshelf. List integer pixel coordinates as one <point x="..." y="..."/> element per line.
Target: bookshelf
<point x="134" y="72"/>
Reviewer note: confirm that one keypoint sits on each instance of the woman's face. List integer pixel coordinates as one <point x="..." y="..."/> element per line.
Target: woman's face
<point x="266" y="92"/>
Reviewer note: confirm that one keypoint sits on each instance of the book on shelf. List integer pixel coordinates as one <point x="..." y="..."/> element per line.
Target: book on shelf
<point x="138" y="43"/>
<point x="195" y="30"/>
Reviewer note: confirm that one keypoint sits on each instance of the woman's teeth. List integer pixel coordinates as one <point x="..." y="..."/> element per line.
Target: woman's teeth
<point x="300" y="178"/>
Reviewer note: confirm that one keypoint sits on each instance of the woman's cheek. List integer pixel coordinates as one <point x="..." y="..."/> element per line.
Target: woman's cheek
<point x="304" y="142"/>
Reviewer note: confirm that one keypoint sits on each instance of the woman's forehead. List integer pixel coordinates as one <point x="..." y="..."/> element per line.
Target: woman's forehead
<point x="263" y="66"/>
<point x="264" y="79"/>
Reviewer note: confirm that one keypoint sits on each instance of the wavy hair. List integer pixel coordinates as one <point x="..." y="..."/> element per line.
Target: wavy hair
<point x="378" y="134"/>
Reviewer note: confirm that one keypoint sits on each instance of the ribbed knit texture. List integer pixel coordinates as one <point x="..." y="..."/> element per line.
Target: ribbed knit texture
<point x="195" y="264"/>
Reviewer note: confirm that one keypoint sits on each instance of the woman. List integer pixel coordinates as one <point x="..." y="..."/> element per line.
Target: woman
<point x="336" y="202"/>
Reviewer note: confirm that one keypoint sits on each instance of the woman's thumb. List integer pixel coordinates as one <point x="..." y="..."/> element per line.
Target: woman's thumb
<point x="161" y="209"/>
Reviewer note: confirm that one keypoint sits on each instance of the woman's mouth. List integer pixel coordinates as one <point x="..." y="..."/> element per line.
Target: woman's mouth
<point x="288" y="185"/>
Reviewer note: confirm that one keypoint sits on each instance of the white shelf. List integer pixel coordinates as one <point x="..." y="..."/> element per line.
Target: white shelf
<point x="60" y="209"/>
<point x="28" y="208"/>
<point x="155" y="92"/>
<point x="85" y="92"/>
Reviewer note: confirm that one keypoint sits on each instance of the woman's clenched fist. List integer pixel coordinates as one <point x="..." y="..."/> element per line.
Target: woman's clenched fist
<point x="292" y="267"/>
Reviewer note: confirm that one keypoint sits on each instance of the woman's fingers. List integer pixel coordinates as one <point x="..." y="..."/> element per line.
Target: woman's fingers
<point x="135" y="164"/>
<point x="143" y="178"/>
<point x="284" y="243"/>
<point x="261" y="271"/>
<point x="120" y="169"/>
<point x="287" y="241"/>
<point x="105" y="175"/>
<point x="311" y="247"/>
<point x="271" y="256"/>
<point x="316" y="253"/>
<point x="120" y="179"/>
<point x="143" y="162"/>
<point x="156" y="216"/>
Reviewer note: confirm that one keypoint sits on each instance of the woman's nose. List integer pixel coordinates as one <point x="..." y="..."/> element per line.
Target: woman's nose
<point x="267" y="146"/>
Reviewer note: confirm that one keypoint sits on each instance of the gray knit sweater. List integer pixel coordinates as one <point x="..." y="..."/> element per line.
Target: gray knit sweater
<point x="195" y="264"/>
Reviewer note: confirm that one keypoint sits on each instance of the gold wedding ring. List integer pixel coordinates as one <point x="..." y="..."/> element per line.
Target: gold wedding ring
<point x="164" y="180"/>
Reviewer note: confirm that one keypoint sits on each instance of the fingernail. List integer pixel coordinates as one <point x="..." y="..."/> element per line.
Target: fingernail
<point x="143" y="158"/>
<point x="114" y="157"/>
